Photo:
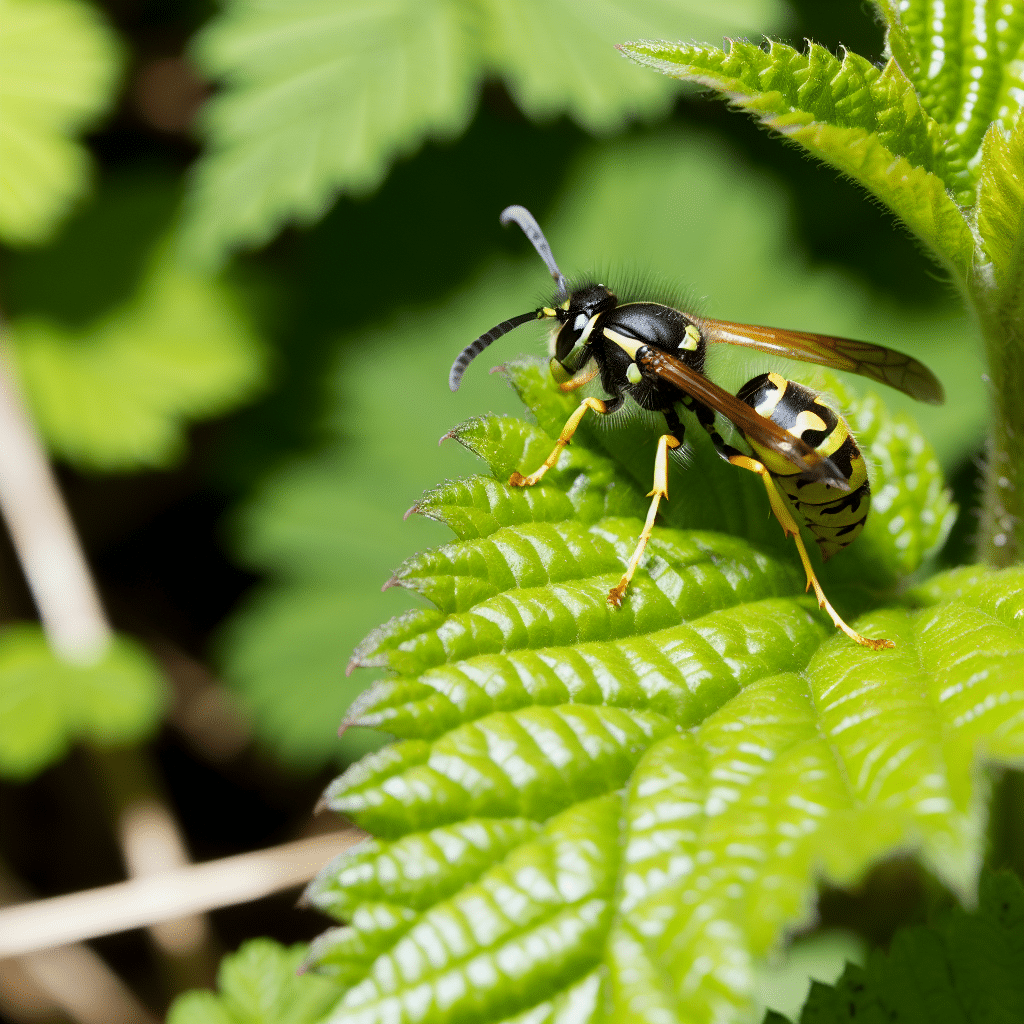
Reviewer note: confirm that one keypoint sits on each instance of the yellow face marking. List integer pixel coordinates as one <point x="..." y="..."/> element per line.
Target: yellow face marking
<point x="587" y="330"/>
<point x="548" y="312"/>
<point x="691" y="341"/>
<point x="628" y="345"/>
<point x="633" y="374"/>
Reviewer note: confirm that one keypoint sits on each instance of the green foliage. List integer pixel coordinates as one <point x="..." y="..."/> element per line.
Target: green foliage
<point x="966" y="970"/>
<point x="629" y="807"/>
<point x="61" y="64"/>
<point x="729" y="241"/>
<point x="47" y="704"/>
<point x="323" y="96"/>
<point x="130" y="348"/>
<point x="118" y="393"/>
<point x="936" y="136"/>
<point x="867" y="123"/>
<point x="259" y="984"/>
<point x="1001" y="211"/>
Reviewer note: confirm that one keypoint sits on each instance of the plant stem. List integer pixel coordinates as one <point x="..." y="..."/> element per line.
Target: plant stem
<point x="79" y="633"/>
<point x="44" y="537"/>
<point x="1001" y="533"/>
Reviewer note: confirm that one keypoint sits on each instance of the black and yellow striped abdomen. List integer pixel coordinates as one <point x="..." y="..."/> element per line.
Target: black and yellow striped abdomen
<point x="834" y="517"/>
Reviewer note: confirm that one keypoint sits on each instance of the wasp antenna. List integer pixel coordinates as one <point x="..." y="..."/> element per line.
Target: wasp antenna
<point x="522" y="216"/>
<point x="471" y="351"/>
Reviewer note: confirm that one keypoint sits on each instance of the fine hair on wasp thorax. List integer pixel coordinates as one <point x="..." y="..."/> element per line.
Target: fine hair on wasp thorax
<point x="653" y="354"/>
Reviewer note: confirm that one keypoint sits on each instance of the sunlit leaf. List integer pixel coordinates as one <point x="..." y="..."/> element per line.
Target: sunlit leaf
<point x="323" y="95"/>
<point x="47" y="704"/>
<point x="118" y="393"/>
<point x="60" y="65"/>
<point x="259" y="985"/>
<point x="1000" y="210"/>
<point x="864" y="121"/>
<point x="632" y="820"/>
<point x="965" y="60"/>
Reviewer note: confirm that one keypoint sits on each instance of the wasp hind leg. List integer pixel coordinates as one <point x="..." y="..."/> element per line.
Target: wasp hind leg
<point x="603" y="408"/>
<point x="790" y="528"/>
<point x="659" y="491"/>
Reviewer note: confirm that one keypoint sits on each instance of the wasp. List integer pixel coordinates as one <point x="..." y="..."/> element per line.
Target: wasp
<point x="654" y="355"/>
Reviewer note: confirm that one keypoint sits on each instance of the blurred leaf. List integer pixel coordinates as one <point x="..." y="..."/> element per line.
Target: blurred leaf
<point x="259" y="984"/>
<point x="821" y="956"/>
<point x="329" y="527"/>
<point x="47" y="704"/>
<point x="117" y="394"/>
<point x="865" y="122"/>
<point x="966" y="970"/>
<point x="552" y="57"/>
<point x="323" y="96"/>
<point x="61" y="64"/>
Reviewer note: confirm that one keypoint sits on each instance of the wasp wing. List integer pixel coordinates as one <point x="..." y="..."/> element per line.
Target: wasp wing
<point x="750" y="423"/>
<point x="876" y="362"/>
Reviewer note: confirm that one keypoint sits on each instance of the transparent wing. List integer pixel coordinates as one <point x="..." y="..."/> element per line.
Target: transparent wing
<point x="876" y="362"/>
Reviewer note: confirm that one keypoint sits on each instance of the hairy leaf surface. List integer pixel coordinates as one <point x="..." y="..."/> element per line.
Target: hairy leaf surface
<point x="61" y="63"/>
<point x="323" y="95"/>
<point x="626" y="808"/>
<point x="639" y="851"/>
<point x="1000" y="213"/>
<point x="864" y="121"/>
<point x="965" y="60"/>
<point x="47" y="704"/>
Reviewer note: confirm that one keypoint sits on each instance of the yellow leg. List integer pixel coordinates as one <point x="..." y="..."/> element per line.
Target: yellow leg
<point x="518" y="480"/>
<point x="660" y="491"/>
<point x="791" y="529"/>
<point x="579" y="380"/>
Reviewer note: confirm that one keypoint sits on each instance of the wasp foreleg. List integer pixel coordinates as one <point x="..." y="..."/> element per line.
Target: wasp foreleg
<point x="518" y="480"/>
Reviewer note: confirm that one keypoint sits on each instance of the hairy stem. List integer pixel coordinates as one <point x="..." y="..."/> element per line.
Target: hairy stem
<point x="1001" y="533"/>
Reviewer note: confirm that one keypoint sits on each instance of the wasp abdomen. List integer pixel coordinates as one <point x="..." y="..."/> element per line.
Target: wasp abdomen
<point x="835" y="518"/>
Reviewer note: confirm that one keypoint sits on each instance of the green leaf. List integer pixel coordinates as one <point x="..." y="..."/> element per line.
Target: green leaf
<point x="259" y="984"/>
<point x="61" y="64"/>
<point x="323" y="96"/>
<point x="118" y="393"/>
<point x="634" y="825"/>
<point x="286" y="651"/>
<point x="783" y="984"/>
<point x="47" y="704"/>
<point x="559" y="61"/>
<point x="864" y="121"/>
<point x="964" y="61"/>
<point x="965" y="970"/>
<point x="1000" y="212"/>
